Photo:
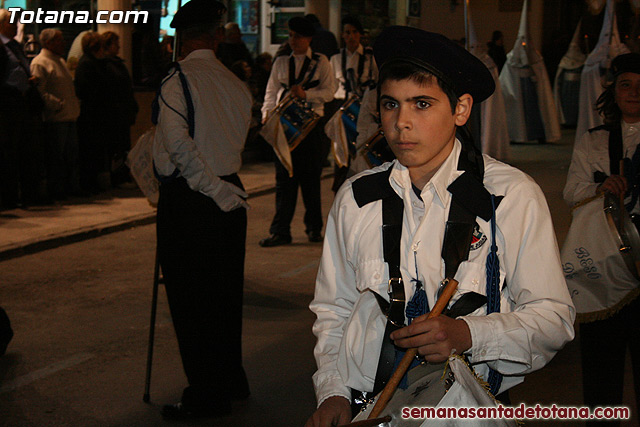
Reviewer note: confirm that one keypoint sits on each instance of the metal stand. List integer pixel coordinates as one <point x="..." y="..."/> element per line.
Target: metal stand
<point x="157" y="279"/>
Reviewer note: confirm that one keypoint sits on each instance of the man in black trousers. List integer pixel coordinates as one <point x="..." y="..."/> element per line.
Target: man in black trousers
<point x="204" y="117"/>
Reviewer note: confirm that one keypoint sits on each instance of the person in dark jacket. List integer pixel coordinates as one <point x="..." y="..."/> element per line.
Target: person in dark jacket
<point x="496" y="49"/>
<point x="233" y="48"/>
<point x="123" y="108"/>
<point x="323" y="41"/>
<point x="92" y="88"/>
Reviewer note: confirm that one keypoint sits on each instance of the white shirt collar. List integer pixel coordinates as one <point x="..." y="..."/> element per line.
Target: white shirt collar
<point x="201" y="53"/>
<point x="359" y="50"/>
<point x="630" y="128"/>
<point x="308" y="54"/>
<point x="446" y="174"/>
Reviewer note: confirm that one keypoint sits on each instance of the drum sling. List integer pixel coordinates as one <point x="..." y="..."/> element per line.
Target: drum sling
<point x="469" y="200"/>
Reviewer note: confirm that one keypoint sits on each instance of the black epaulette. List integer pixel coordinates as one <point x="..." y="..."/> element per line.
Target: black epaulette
<point x="601" y="127"/>
<point x="369" y="188"/>
<point x="473" y="195"/>
<point x="368" y="51"/>
<point x="315" y="56"/>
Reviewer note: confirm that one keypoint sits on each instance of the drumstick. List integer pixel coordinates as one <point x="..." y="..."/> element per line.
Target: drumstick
<point x="411" y="353"/>
<point x="620" y="214"/>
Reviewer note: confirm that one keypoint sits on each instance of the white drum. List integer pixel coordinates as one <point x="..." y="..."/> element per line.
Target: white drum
<point x="431" y="387"/>
<point x="600" y="257"/>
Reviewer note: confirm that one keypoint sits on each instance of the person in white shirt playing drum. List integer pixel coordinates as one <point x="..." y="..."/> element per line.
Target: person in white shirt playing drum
<point x="306" y="75"/>
<point x="595" y="168"/>
<point x="355" y="70"/>
<point x="427" y="87"/>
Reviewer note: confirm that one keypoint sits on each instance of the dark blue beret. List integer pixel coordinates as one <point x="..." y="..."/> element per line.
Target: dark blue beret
<point x="198" y="12"/>
<point x="302" y="26"/>
<point x="626" y="63"/>
<point x="451" y="63"/>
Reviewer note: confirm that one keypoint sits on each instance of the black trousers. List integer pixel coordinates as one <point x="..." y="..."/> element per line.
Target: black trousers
<point x="22" y="152"/>
<point x="201" y="251"/>
<point x="307" y="168"/>
<point x="603" y="345"/>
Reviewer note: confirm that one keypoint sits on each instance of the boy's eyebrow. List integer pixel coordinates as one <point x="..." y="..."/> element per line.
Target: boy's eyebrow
<point x="413" y="98"/>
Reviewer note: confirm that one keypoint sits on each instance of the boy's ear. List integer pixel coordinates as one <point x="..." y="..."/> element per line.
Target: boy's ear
<point x="463" y="109"/>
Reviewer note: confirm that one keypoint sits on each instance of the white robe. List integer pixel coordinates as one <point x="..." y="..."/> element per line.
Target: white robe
<point x="524" y="62"/>
<point x="494" y="135"/>
<point x="569" y="70"/>
<point x="598" y="62"/>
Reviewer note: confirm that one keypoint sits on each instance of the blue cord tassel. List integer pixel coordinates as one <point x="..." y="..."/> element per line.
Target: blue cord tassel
<point x="418" y="304"/>
<point x="493" y="291"/>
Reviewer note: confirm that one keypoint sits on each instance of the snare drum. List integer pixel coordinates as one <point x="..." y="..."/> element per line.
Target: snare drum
<point x="376" y="150"/>
<point x="600" y="257"/>
<point x="433" y="387"/>
<point x="296" y="118"/>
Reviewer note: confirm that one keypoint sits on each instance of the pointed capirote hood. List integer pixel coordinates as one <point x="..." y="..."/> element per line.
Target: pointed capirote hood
<point x="474" y="45"/>
<point x="523" y="53"/>
<point x="609" y="45"/>
<point x="574" y="58"/>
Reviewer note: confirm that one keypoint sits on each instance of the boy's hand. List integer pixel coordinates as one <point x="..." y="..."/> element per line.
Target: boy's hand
<point x="435" y="338"/>
<point x="334" y="411"/>
<point x="615" y="184"/>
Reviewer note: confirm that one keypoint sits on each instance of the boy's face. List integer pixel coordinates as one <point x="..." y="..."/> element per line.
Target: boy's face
<point x="419" y="125"/>
<point x="627" y="94"/>
<point x="299" y="43"/>
<point x="351" y="37"/>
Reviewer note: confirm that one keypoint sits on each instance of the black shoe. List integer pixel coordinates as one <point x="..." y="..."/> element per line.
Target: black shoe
<point x="179" y="412"/>
<point x="314" y="236"/>
<point x="275" y="240"/>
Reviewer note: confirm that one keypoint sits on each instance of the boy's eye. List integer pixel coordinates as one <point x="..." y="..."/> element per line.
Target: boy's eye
<point x="422" y="104"/>
<point x="389" y="105"/>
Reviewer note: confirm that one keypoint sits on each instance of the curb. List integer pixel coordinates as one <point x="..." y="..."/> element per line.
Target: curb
<point x="85" y="233"/>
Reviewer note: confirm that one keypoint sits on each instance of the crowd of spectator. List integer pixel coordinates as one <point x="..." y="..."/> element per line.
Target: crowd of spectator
<point x="62" y="136"/>
<point x="65" y="127"/>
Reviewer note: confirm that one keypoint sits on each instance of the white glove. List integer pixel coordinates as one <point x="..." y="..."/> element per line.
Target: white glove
<point x="229" y="197"/>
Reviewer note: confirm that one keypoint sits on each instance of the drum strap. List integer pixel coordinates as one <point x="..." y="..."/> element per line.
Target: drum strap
<point x="350" y="80"/>
<point x="300" y="79"/>
<point x="615" y="149"/>
<point x="293" y="79"/>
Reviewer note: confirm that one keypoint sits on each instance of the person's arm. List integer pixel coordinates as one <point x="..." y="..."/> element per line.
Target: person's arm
<point x="337" y="73"/>
<point x="367" y="124"/>
<point x="327" y="87"/>
<point x="273" y="86"/>
<point x="51" y="102"/>
<point x="333" y="303"/>
<point x="580" y="181"/>
<point x="173" y="130"/>
<point x="542" y="316"/>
